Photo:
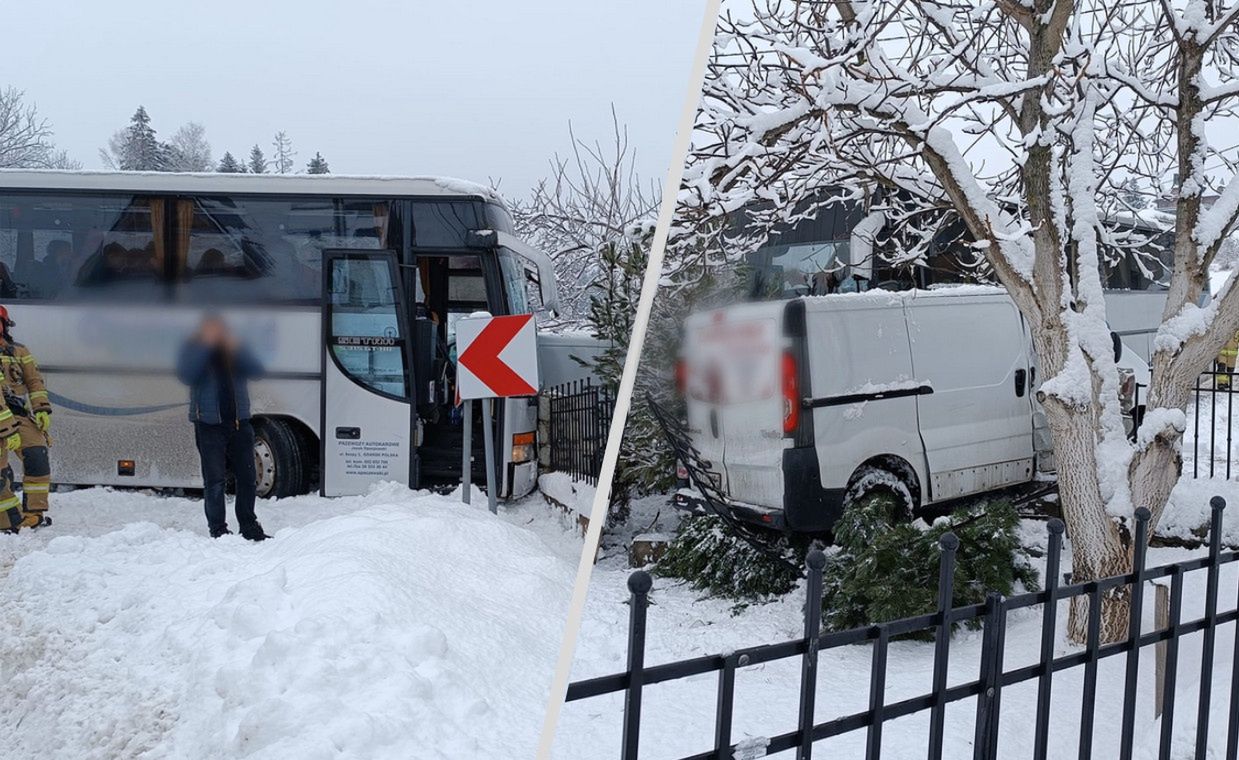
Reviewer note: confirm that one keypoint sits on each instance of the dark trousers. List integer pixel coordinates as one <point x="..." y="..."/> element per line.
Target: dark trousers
<point x="224" y="449"/>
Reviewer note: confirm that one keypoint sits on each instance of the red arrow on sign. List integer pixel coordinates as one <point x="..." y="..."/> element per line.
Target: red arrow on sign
<point x="482" y="357"/>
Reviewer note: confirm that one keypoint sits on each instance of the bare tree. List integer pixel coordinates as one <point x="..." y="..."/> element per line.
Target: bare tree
<point x="1025" y="120"/>
<point x="591" y="198"/>
<point x="283" y="155"/>
<point x="188" y="150"/>
<point x="26" y="137"/>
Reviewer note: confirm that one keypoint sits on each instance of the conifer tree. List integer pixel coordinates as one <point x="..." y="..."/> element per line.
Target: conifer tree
<point x="229" y="164"/>
<point x="317" y="165"/>
<point x="258" y="161"/>
<point x="136" y="148"/>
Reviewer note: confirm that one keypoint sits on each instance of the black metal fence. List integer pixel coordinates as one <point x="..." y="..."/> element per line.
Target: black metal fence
<point x="579" y="420"/>
<point x="1211" y="421"/>
<point x="987" y="688"/>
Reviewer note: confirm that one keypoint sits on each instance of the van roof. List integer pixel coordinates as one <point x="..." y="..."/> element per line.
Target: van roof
<point x="891" y="296"/>
<point x="215" y="182"/>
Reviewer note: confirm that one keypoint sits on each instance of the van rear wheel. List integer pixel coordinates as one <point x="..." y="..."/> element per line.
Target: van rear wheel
<point x="873" y="481"/>
<point x="279" y="460"/>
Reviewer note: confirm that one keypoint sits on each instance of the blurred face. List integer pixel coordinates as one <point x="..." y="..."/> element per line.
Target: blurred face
<point x="213" y="331"/>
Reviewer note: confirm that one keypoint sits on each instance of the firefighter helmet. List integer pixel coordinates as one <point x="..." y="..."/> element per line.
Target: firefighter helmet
<point x="4" y="317"/>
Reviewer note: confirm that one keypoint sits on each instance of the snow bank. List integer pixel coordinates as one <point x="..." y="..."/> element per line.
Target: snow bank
<point x="1187" y="511"/>
<point x="412" y="627"/>
<point x="575" y="495"/>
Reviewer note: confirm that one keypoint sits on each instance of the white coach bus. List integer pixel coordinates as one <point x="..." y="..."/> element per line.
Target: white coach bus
<point x="349" y="288"/>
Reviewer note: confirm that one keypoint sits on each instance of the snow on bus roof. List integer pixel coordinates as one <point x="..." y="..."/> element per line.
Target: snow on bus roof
<point x="216" y="182"/>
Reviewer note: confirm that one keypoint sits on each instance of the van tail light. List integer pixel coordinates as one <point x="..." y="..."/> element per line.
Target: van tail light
<point x="681" y="376"/>
<point x="791" y="394"/>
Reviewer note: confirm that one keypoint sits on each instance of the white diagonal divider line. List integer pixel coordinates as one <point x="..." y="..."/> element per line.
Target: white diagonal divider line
<point x="623" y="399"/>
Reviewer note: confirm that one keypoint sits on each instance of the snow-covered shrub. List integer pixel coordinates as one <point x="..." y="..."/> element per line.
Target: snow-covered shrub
<point x="882" y="571"/>
<point x="711" y="557"/>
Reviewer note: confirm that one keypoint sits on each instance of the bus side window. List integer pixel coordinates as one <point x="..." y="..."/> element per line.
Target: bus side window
<point x="96" y="246"/>
<point x="444" y="224"/>
<point x="249" y="250"/>
<point x="515" y="283"/>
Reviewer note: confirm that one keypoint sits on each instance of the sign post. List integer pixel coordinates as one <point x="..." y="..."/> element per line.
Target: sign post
<point x="496" y="357"/>
<point x="466" y="451"/>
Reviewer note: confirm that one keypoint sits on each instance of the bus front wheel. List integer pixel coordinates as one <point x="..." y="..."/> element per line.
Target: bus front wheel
<point x="279" y="459"/>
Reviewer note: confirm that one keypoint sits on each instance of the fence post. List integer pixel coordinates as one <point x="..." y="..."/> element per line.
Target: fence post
<point x="1171" y="668"/>
<point x="1232" y="729"/>
<point x="1140" y="551"/>
<point x="877" y="694"/>
<point x="1196" y="428"/>
<point x="723" y="706"/>
<point x="1049" y="636"/>
<point x="1088" y="699"/>
<point x="808" y="665"/>
<point x="1161" y="621"/>
<point x="1216" y="505"/>
<point x="639" y="583"/>
<point x="985" y="739"/>
<point x="949" y="544"/>
<point x="1212" y="425"/>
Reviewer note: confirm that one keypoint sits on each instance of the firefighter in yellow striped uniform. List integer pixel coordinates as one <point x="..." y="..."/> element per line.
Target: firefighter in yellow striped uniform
<point x="11" y="517"/>
<point x="1225" y="364"/>
<point x="25" y="398"/>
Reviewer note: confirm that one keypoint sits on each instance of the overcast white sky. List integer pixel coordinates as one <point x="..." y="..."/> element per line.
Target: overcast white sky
<point x="470" y="88"/>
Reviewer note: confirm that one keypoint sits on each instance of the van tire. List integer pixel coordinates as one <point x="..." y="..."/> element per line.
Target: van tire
<point x="280" y="459"/>
<point x="870" y="480"/>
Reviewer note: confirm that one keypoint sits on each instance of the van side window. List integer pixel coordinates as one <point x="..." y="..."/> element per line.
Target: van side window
<point x="84" y="247"/>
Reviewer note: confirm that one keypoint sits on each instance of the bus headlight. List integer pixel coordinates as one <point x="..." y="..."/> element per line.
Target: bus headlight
<point x="522" y="447"/>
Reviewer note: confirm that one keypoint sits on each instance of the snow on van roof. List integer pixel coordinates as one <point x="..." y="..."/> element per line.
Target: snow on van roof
<point x="892" y="296"/>
<point x="216" y="182"/>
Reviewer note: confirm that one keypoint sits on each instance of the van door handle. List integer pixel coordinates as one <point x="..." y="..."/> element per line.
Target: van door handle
<point x="1021" y="376"/>
<point x="348" y="433"/>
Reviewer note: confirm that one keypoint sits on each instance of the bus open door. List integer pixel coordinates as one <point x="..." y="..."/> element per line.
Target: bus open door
<point x="367" y="405"/>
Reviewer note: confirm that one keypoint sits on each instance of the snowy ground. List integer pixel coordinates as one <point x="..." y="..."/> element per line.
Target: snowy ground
<point x="395" y="625"/>
<point x="678" y="717"/>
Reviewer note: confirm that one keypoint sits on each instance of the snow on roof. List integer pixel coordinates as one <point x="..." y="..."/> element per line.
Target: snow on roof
<point x="215" y="182"/>
<point x="938" y="291"/>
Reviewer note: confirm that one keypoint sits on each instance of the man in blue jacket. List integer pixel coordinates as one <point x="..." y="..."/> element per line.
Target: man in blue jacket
<point x="217" y="368"/>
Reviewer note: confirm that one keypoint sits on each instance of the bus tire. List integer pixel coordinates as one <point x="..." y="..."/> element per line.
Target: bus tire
<point x="279" y="459"/>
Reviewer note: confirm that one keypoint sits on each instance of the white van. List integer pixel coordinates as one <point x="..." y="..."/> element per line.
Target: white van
<point x="797" y="406"/>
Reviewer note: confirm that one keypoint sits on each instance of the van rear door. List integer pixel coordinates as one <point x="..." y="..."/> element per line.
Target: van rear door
<point x="977" y="424"/>
<point x="735" y="404"/>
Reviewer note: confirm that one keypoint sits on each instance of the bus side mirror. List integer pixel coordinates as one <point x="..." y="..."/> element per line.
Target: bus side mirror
<point x="481" y="239"/>
<point x="1118" y="345"/>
